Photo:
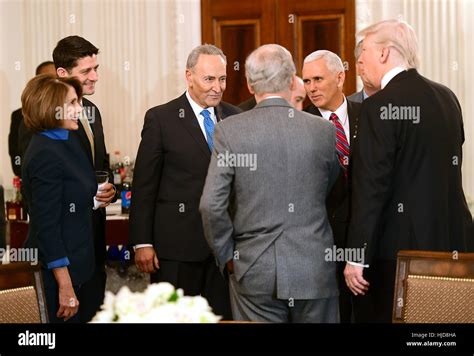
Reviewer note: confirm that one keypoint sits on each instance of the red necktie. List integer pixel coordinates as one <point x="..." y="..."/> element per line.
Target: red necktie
<point x="342" y="146"/>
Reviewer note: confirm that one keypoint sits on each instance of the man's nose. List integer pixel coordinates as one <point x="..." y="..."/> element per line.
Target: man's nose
<point x="216" y="86"/>
<point x="93" y="76"/>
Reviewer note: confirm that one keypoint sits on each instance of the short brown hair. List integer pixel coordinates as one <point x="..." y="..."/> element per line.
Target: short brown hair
<point x="41" y="99"/>
<point x="70" y="49"/>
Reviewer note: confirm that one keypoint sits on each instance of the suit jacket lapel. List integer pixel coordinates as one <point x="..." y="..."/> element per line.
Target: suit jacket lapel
<point x="219" y="113"/>
<point x="353" y="120"/>
<point x="312" y="109"/>
<point x="191" y="124"/>
<point x="84" y="141"/>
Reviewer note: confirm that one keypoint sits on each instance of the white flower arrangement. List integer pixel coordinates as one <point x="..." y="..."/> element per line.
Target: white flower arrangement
<point x="159" y="303"/>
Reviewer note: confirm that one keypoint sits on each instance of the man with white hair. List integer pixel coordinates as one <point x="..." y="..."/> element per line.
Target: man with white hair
<point x="323" y="77"/>
<point x="407" y="187"/>
<point x="267" y="222"/>
<point x="170" y="170"/>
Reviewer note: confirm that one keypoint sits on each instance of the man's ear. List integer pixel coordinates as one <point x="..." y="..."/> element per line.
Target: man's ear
<point x="61" y="72"/>
<point x="384" y="54"/>
<point x="341" y="77"/>
<point x="250" y="89"/>
<point x="293" y="83"/>
<point x="188" y="77"/>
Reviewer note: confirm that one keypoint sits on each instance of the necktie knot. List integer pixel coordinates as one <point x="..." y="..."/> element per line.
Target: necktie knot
<point x="333" y="117"/>
<point x="206" y="114"/>
<point x="208" y="127"/>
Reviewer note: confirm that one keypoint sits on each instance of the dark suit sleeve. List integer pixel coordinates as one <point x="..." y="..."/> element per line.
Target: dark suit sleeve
<point x="105" y="164"/>
<point x="373" y="162"/>
<point x="146" y="181"/>
<point x="24" y="138"/>
<point x="45" y="179"/>
<point x="13" y="150"/>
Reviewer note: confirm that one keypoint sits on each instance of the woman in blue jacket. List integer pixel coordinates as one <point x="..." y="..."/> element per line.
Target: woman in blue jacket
<point x="59" y="185"/>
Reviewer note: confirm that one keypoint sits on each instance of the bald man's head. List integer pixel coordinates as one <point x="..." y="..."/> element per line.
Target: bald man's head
<point x="298" y="94"/>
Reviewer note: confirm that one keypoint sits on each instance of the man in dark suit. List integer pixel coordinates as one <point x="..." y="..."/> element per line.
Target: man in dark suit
<point x="323" y="77"/>
<point x="14" y="142"/>
<point x="170" y="170"/>
<point x="74" y="56"/>
<point x="407" y="161"/>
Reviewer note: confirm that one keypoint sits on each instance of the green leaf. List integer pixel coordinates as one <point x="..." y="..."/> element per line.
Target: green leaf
<point x="174" y="297"/>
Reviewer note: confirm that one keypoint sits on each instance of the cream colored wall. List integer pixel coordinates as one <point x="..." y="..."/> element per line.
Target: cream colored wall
<point x="143" y="50"/>
<point x="144" y="44"/>
<point x="445" y="33"/>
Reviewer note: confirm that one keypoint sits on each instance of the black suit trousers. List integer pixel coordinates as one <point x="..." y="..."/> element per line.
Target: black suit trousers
<point x="376" y="305"/>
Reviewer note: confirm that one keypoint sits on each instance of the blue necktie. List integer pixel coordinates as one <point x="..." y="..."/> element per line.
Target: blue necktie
<point x="209" y="128"/>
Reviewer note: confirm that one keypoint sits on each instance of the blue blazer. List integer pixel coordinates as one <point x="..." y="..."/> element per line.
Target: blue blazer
<point x="59" y="185"/>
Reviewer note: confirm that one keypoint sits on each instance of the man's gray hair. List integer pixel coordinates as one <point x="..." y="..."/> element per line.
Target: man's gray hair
<point x="269" y="69"/>
<point x="396" y="34"/>
<point x="203" y="49"/>
<point x="332" y="60"/>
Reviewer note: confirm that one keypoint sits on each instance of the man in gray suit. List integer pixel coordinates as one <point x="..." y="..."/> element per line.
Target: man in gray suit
<point x="263" y="204"/>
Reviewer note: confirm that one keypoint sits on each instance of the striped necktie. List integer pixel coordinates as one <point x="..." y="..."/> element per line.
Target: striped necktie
<point x="342" y="146"/>
<point x="209" y="128"/>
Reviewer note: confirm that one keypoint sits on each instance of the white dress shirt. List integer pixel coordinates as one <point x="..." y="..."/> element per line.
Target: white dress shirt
<point x="343" y="116"/>
<point x="390" y="75"/>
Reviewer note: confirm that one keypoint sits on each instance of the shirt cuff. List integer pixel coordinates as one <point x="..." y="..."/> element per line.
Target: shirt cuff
<point x="358" y="264"/>
<point x="136" y="247"/>
<point x="62" y="262"/>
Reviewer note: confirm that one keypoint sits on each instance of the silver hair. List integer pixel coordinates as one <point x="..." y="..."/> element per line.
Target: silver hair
<point x="333" y="62"/>
<point x="269" y="69"/>
<point x="203" y="49"/>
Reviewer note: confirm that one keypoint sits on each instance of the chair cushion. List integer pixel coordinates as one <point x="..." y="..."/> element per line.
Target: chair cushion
<point x="19" y="305"/>
<point x="439" y="300"/>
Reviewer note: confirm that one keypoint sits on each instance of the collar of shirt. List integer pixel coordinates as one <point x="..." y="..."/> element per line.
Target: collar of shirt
<point x="197" y="109"/>
<point x="56" y="134"/>
<point x="341" y="112"/>
<point x="364" y="94"/>
<point x="274" y="97"/>
<point x="390" y="75"/>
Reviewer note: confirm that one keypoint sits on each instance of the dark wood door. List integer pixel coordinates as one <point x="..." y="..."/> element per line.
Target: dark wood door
<point x="306" y="26"/>
<point x="237" y="28"/>
<point x="302" y="26"/>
